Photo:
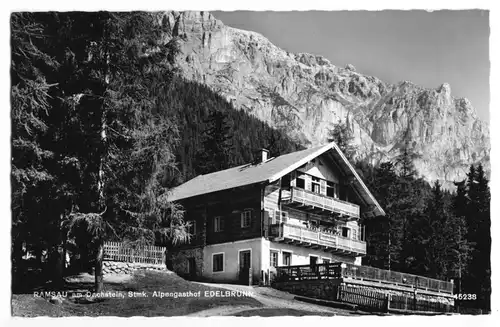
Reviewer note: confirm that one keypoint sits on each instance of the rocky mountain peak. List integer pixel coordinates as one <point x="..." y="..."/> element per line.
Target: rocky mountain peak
<point x="445" y="88"/>
<point x="305" y="95"/>
<point x="350" y="68"/>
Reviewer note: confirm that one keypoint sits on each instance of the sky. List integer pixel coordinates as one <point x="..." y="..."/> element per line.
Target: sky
<point x="426" y="48"/>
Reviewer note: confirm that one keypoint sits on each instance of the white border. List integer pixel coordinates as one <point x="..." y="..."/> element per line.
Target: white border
<point x="92" y="5"/>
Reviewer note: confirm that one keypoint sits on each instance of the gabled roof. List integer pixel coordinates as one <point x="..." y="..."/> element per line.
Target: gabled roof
<point x="268" y="172"/>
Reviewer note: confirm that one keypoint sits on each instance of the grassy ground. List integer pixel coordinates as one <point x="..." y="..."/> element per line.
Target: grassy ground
<point x="26" y="305"/>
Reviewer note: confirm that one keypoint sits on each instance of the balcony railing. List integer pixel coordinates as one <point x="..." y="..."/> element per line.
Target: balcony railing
<point x="318" y="201"/>
<point x="307" y="236"/>
<point x="347" y="270"/>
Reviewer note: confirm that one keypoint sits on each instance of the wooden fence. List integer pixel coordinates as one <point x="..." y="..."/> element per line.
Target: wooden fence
<point x="116" y="251"/>
<point x="379" y="301"/>
<point x="347" y="270"/>
<point x="411" y="303"/>
<point x="363" y="297"/>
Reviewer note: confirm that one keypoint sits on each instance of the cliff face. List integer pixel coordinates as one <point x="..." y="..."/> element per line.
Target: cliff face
<point x="305" y="95"/>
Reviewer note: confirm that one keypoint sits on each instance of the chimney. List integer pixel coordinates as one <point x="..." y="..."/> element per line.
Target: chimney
<point x="265" y="155"/>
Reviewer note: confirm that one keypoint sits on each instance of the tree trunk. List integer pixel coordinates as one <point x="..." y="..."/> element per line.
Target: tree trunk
<point x="99" y="282"/>
<point x="58" y="280"/>
<point x="59" y="258"/>
<point x="17" y="251"/>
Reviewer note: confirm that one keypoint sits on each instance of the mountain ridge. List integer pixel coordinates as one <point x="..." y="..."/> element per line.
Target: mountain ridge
<point x="305" y="94"/>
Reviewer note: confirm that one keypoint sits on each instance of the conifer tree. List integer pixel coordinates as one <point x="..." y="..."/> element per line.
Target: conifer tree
<point x="384" y="233"/>
<point x="409" y="205"/>
<point x="343" y="136"/>
<point x="479" y="224"/>
<point x="31" y="175"/>
<point x="215" y="154"/>
<point x="462" y="247"/>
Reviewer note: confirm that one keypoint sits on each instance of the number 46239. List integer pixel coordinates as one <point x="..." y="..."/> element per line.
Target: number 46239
<point x="465" y="296"/>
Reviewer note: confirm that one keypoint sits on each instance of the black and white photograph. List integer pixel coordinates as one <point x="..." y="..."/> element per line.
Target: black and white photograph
<point x="249" y="163"/>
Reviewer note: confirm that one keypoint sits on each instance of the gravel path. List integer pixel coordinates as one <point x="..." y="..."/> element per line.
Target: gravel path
<point x="270" y="298"/>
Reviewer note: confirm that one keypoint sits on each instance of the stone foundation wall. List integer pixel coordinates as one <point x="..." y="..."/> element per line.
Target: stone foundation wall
<point x="179" y="262"/>
<point x="115" y="267"/>
<point x="318" y="289"/>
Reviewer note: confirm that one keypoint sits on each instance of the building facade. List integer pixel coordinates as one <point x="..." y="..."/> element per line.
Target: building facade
<point x="301" y="208"/>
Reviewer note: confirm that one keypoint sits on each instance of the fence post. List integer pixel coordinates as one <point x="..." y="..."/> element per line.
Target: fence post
<point x="387" y="302"/>
<point x="415" y="300"/>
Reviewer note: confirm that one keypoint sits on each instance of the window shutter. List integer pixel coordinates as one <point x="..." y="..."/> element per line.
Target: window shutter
<point x="221" y="223"/>
<point x="271" y="217"/>
<point x="284" y="215"/>
<point x="308" y="183"/>
<point x="323" y="187"/>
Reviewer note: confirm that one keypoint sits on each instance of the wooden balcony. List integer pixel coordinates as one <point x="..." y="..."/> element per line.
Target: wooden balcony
<point x="316" y="239"/>
<point x="363" y="274"/>
<point x="315" y="202"/>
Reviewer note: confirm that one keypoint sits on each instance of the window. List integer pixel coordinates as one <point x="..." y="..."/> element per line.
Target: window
<point x="218" y="262"/>
<point x="192" y="228"/>
<point x="281" y="214"/>
<point x="271" y="217"/>
<point x="300" y="182"/>
<point x="332" y="190"/>
<point x="345" y="232"/>
<point x="313" y="260"/>
<point x="218" y="224"/>
<point x="315" y="185"/>
<point x="287" y="258"/>
<point x="325" y="260"/>
<point x="246" y="217"/>
<point x="274" y="258"/>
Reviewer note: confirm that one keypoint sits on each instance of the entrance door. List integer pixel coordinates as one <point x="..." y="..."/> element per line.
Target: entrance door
<point x="245" y="264"/>
<point x="192" y="267"/>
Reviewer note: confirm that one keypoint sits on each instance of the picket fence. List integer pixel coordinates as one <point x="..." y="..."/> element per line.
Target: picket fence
<point x="379" y="301"/>
<point x="117" y="251"/>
